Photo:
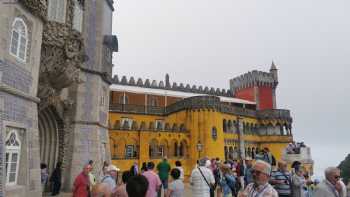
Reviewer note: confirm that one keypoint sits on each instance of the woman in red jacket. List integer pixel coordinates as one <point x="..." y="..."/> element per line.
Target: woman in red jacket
<point x="81" y="187"/>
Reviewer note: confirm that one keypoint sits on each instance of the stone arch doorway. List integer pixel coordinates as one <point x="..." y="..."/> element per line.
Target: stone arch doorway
<point x="50" y="126"/>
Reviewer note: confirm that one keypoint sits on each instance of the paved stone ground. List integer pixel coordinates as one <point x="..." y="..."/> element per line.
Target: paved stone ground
<point x="62" y="194"/>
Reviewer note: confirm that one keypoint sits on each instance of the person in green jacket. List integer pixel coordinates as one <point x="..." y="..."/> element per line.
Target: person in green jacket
<point x="163" y="172"/>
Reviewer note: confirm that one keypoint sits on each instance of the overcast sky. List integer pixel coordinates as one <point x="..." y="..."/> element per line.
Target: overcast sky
<point x="206" y="42"/>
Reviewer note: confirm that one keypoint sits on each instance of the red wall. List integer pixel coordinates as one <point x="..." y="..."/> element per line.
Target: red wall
<point x="265" y="98"/>
<point x="246" y="94"/>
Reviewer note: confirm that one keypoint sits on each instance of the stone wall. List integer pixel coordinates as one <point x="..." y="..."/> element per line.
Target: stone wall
<point x="18" y="101"/>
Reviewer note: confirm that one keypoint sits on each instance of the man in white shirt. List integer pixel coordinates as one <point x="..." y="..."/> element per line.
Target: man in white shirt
<point x="331" y="186"/>
<point x="201" y="180"/>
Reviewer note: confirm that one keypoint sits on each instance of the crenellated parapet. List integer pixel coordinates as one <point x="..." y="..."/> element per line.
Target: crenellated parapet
<point x="166" y="85"/>
<point x="252" y="79"/>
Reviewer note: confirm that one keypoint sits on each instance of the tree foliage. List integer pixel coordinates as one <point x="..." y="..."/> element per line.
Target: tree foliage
<point x="344" y="167"/>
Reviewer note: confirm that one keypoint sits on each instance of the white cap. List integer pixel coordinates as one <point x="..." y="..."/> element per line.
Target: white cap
<point x="112" y="168"/>
<point x="248" y="159"/>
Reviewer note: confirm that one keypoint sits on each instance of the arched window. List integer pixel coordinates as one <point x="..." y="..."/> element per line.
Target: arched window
<point x="56" y="10"/>
<point x="176" y="148"/>
<point x="19" y="39"/>
<point x="229" y="126"/>
<point x="224" y="125"/>
<point x="13" y="149"/>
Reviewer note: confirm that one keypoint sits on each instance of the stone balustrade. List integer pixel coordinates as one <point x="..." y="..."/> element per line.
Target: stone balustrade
<point x="304" y="156"/>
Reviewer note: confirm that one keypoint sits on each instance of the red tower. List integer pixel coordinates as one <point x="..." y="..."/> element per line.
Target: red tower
<point x="257" y="86"/>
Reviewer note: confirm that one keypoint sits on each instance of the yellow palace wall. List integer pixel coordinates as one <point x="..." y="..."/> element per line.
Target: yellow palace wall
<point x="199" y="124"/>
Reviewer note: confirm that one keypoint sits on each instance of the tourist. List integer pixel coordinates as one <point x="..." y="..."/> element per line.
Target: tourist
<point x="56" y="179"/>
<point x="309" y="189"/>
<point x="290" y="149"/>
<point x="331" y="186"/>
<point x="281" y="180"/>
<point x="92" y="177"/>
<point x="134" y="170"/>
<point x="101" y="190"/>
<point x="248" y="176"/>
<point x="121" y="190"/>
<point x="267" y="155"/>
<point x="110" y="178"/>
<point x="227" y="181"/>
<point x="176" y="187"/>
<point x="163" y="171"/>
<point x="260" y="187"/>
<point x="81" y="186"/>
<point x="104" y="168"/>
<point x="202" y="180"/>
<point x="344" y="191"/>
<point x="143" y="167"/>
<point x="154" y="182"/>
<point x="298" y="183"/>
<point x="179" y="167"/>
<point x="240" y="173"/>
<point x="259" y="155"/>
<point x="217" y="175"/>
<point x="44" y="175"/>
<point x="137" y="186"/>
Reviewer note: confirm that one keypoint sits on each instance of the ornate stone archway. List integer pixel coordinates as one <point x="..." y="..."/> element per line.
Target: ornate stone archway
<point x="50" y="137"/>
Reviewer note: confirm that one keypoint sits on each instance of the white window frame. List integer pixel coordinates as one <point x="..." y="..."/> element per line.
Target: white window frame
<point x="78" y="15"/>
<point x="129" y="148"/>
<point x="12" y="150"/>
<point x="54" y="5"/>
<point x="126" y="119"/>
<point x="23" y="34"/>
<point x="161" y="150"/>
<point x="161" y="122"/>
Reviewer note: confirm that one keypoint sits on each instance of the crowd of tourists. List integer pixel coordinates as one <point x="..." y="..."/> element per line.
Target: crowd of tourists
<point x="294" y="147"/>
<point x="209" y="178"/>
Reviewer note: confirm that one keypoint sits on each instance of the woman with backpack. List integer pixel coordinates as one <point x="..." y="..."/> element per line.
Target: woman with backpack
<point x="227" y="181"/>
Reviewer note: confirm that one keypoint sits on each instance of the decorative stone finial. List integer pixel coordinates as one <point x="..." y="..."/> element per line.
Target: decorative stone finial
<point x="167" y="81"/>
<point x="124" y="80"/>
<point x="139" y="82"/>
<point x="154" y="84"/>
<point x="273" y="66"/>
<point x="147" y="83"/>
<point x="131" y="81"/>
<point x="161" y="84"/>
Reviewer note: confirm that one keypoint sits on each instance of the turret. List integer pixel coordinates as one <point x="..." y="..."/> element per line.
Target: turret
<point x="274" y="71"/>
<point x="167" y="81"/>
<point x="257" y="86"/>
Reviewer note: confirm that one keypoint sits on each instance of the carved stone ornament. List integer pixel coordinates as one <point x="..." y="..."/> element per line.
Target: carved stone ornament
<point x="37" y="7"/>
<point x="62" y="53"/>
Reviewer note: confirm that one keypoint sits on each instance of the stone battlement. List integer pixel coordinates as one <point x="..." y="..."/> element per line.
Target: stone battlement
<point x="255" y="78"/>
<point x="174" y="87"/>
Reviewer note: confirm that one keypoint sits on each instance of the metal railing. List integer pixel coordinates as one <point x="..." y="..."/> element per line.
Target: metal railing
<point x="198" y="102"/>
